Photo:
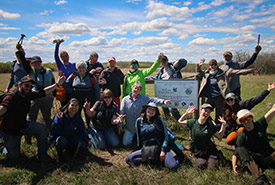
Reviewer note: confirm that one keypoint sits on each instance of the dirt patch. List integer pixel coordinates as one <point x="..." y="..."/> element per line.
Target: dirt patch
<point x="118" y="159"/>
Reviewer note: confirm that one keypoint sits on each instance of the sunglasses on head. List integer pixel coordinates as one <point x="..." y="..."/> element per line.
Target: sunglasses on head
<point x="134" y="65"/>
<point x="243" y="120"/>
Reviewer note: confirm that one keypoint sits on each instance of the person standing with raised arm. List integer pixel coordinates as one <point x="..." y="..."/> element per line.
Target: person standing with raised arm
<point x="134" y="75"/>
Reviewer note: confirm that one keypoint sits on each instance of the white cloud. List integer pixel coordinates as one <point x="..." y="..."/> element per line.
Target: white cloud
<point x="155" y="9"/>
<point x="217" y="2"/>
<point x="9" y="28"/>
<point x="117" y="32"/>
<point x="46" y="12"/>
<point x="273" y="28"/>
<point x="154" y="25"/>
<point x="117" y="42"/>
<point x="7" y="15"/>
<point x="170" y="31"/>
<point x="239" y="17"/>
<point x="266" y="20"/>
<point x="65" y="29"/>
<point x="241" y="40"/>
<point x="199" y="35"/>
<point x="133" y="1"/>
<point x="99" y="41"/>
<point x="183" y="36"/>
<point x="6" y="42"/>
<point x="187" y="3"/>
<point x="137" y="32"/>
<point x="201" y="7"/>
<point x="224" y="12"/>
<point x="60" y="2"/>
<point x="147" y="41"/>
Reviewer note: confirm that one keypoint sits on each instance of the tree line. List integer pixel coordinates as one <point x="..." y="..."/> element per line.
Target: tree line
<point x="264" y="64"/>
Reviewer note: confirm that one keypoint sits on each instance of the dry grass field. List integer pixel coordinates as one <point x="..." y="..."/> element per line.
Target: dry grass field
<point x="102" y="168"/>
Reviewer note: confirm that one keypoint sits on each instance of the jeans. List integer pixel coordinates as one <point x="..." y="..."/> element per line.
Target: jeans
<point x="62" y="142"/>
<point x="107" y="138"/>
<point x="38" y="130"/>
<point x="128" y="138"/>
<point x="170" y="161"/>
<point x="218" y="104"/>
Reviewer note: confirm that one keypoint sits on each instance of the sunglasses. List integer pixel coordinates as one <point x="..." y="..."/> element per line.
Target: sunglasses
<point x="229" y="99"/>
<point x="28" y="86"/>
<point x="243" y="120"/>
<point x="134" y="65"/>
<point x="105" y="97"/>
<point x="213" y="64"/>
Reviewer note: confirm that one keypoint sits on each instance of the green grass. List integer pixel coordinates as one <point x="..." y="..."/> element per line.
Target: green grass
<point x="101" y="168"/>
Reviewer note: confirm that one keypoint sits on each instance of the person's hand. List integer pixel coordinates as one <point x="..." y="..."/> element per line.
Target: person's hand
<point x="6" y="90"/>
<point x="59" y="114"/>
<point x="202" y="60"/>
<point x="98" y="69"/>
<point x="271" y="87"/>
<point x="258" y="48"/>
<point x="102" y="81"/>
<point x="253" y="70"/>
<point x="221" y="120"/>
<point x="160" y="57"/>
<point x="87" y="104"/>
<point x="191" y="109"/>
<point x="93" y="71"/>
<point x="19" y="47"/>
<point x="162" y="156"/>
<point x="235" y="170"/>
<point x="61" y="80"/>
<point x="167" y="101"/>
<point x="60" y="73"/>
<point x="120" y="117"/>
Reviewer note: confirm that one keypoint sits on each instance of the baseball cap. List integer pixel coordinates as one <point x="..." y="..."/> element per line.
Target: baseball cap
<point x="36" y="59"/>
<point x="230" y="95"/>
<point x="134" y="61"/>
<point x="227" y="53"/>
<point x="111" y="59"/>
<point x="26" y="79"/>
<point x="207" y="105"/>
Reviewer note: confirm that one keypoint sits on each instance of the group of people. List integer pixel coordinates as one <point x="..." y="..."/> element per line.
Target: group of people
<point x="96" y="90"/>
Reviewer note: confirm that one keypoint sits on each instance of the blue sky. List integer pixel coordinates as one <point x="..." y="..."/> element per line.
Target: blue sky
<point x="138" y="29"/>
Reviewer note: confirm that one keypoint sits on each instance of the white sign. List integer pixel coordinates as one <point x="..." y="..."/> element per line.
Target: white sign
<point x="182" y="92"/>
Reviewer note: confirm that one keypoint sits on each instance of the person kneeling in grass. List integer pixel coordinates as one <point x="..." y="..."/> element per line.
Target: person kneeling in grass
<point x="252" y="145"/>
<point x="202" y="130"/>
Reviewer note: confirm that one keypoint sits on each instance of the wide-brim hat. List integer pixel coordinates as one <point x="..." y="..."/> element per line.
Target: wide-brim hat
<point x="150" y="104"/>
<point x="182" y="63"/>
<point x="243" y="113"/>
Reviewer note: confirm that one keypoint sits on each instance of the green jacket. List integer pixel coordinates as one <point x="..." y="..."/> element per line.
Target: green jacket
<point x="130" y="78"/>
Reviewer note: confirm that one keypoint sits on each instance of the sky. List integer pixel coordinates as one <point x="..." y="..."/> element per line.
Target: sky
<point x="136" y="29"/>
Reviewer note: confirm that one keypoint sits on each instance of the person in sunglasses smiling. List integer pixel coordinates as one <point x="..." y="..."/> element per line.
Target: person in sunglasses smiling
<point x="253" y="146"/>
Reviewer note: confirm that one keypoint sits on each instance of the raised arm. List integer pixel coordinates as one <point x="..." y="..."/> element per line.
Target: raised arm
<point x="89" y="111"/>
<point x="147" y="72"/>
<point x="51" y="88"/>
<point x="56" y="54"/>
<point x="249" y="62"/>
<point x="270" y="114"/>
<point x="191" y="109"/>
<point x="220" y="133"/>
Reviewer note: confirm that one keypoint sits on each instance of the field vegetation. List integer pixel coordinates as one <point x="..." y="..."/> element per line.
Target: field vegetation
<point x="100" y="167"/>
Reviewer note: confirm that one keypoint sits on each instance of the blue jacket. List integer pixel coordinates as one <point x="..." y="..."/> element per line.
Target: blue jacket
<point x="175" y="74"/>
<point x="66" y="69"/>
<point x="68" y="127"/>
<point x="155" y="134"/>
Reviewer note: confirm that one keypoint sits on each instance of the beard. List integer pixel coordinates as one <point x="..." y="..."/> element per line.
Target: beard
<point x="25" y="93"/>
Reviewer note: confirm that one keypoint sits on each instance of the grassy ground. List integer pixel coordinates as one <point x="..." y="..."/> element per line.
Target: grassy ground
<point x="102" y="168"/>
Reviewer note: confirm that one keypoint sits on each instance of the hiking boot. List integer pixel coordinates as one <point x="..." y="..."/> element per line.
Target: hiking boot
<point x="262" y="180"/>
